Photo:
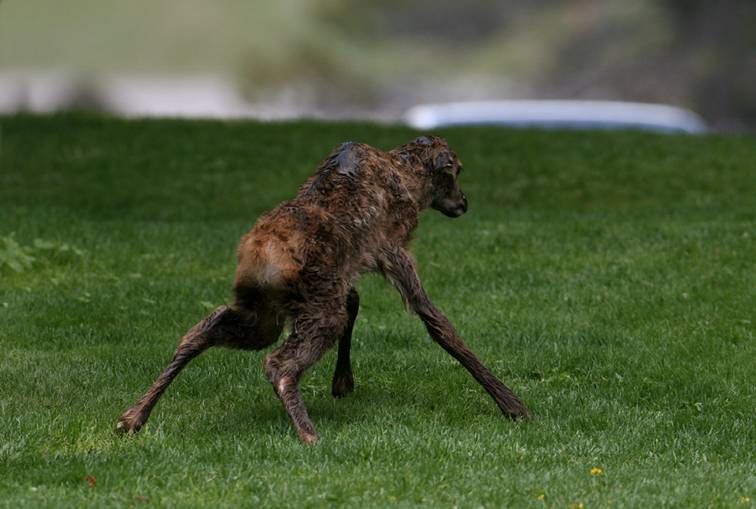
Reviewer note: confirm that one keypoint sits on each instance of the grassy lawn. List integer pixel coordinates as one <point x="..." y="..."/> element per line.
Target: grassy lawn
<point x="607" y="278"/>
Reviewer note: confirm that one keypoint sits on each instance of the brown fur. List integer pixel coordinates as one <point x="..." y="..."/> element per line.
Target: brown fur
<point x="356" y="214"/>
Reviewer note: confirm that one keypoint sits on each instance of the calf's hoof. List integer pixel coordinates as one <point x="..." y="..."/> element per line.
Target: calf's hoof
<point x="516" y="411"/>
<point x="129" y="423"/>
<point x="308" y="438"/>
<point x="342" y="385"/>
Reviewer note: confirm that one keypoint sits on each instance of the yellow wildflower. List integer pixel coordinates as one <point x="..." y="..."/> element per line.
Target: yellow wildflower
<point x="597" y="471"/>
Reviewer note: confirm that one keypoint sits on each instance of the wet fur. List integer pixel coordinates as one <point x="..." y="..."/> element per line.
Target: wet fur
<point x="299" y="262"/>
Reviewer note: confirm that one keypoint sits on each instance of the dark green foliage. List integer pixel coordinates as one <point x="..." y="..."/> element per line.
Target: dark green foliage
<point x="607" y="278"/>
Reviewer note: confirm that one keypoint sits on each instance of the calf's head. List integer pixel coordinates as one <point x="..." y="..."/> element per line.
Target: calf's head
<point x="443" y="167"/>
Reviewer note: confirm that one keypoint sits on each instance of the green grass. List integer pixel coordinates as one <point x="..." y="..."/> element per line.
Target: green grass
<point x="608" y="278"/>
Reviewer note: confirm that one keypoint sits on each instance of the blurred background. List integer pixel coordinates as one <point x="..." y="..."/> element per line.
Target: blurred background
<point x="374" y="59"/>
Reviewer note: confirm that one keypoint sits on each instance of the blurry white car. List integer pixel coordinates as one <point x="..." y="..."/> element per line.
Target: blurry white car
<point x="558" y="115"/>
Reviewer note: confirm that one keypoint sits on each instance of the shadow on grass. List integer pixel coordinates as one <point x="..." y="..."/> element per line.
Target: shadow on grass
<point x="369" y="406"/>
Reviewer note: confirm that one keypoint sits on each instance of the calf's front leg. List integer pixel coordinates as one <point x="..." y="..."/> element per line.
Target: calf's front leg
<point x="343" y="380"/>
<point x="399" y="268"/>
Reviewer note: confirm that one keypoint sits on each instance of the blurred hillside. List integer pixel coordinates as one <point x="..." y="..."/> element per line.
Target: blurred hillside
<point x="384" y="56"/>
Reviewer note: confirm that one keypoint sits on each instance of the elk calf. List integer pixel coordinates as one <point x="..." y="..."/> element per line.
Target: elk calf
<point x="299" y="263"/>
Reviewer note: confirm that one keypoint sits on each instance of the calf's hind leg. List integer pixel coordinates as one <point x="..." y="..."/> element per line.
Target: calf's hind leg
<point x="312" y="335"/>
<point x="223" y="327"/>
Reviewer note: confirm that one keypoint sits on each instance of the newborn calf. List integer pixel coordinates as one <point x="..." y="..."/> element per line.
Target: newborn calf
<point x="356" y="214"/>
